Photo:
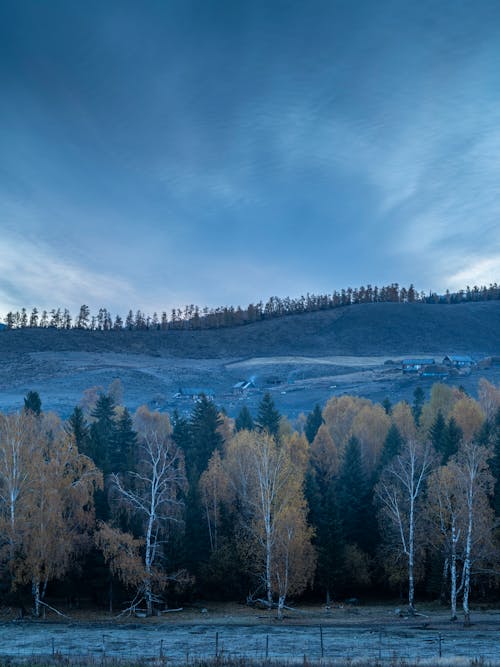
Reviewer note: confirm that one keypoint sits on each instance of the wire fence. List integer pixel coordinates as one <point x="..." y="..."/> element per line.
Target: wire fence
<point x="187" y="645"/>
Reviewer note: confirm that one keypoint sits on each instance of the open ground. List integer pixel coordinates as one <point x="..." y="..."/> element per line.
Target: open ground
<point x="377" y="634"/>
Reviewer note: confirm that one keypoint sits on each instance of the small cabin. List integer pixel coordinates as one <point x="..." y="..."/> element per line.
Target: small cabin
<point x="435" y="371"/>
<point x="243" y="386"/>
<point x="415" y="365"/>
<point x="458" y="361"/>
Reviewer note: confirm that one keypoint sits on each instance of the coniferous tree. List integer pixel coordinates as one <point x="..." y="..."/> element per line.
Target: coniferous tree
<point x="79" y="429"/>
<point x="438" y="434"/>
<point x="387" y="405"/>
<point x="324" y="515"/>
<point x="204" y="439"/>
<point x="453" y="439"/>
<point x="123" y="449"/>
<point x="418" y="403"/>
<point x="33" y="402"/>
<point x="352" y="489"/>
<point x="205" y="436"/>
<point x="392" y="446"/>
<point x="244" y="420"/>
<point x="102" y="432"/>
<point x="313" y="422"/>
<point x="181" y="431"/>
<point x="268" y="418"/>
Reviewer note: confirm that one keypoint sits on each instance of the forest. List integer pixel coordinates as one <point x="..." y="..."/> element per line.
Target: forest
<point x="193" y="317"/>
<point x="355" y="499"/>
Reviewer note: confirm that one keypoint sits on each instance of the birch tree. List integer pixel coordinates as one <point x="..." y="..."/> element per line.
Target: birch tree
<point x="59" y="513"/>
<point x="399" y="492"/>
<point x="445" y="509"/>
<point x="475" y="481"/>
<point x="267" y="479"/>
<point x="18" y="448"/>
<point x="153" y="494"/>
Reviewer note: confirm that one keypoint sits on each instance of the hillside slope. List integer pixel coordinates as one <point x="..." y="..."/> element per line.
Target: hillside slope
<point x="301" y="359"/>
<point x="366" y="329"/>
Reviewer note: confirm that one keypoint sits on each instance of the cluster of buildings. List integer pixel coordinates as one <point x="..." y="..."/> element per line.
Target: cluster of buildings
<point x="452" y="363"/>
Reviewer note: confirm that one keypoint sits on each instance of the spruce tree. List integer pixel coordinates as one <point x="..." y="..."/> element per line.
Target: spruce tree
<point x="79" y="429"/>
<point x="244" y="420"/>
<point x="418" y="404"/>
<point x="387" y="405"/>
<point x="453" y="439"/>
<point x="124" y="444"/>
<point x="205" y="436"/>
<point x="33" y="402"/>
<point x="268" y="418"/>
<point x="324" y="515"/>
<point x="353" y="496"/>
<point x="438" y="434"/>
<point x="313" y="422"/>
<point x="391" y="447"/>
<point x="102" y="432"/>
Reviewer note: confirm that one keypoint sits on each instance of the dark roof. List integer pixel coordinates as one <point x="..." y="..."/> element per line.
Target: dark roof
<point x="464" y="358"/>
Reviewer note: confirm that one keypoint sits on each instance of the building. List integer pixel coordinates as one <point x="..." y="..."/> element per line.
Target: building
<point x="458" y="361"/>
<point x="195" y="393"/>
<point x="435" y="371"/>
<point x="415" y="365"/>
<point x="243" y="386"/>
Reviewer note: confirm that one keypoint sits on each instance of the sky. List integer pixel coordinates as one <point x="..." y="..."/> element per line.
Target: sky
<point x="161" y="153"/>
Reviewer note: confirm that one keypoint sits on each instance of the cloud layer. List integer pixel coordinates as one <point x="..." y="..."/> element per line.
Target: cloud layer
<point x="169" y="153"/>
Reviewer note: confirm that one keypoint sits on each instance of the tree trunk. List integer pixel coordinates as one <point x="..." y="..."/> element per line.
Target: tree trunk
<point x="411" y="558"/>
<point x="453" y="591"/>
<point x="468" y="553"/>
<point x="281" y="604"/>
<point x="35" y="590"/>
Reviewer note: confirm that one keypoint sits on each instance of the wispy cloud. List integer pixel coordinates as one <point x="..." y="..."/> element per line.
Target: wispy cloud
<point x="33" y="274"/>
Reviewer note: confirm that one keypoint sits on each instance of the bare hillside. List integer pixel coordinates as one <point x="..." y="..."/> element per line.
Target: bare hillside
<point x="302" y="359"/>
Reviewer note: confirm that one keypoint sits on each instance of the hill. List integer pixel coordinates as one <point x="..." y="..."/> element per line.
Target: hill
<point x="301" y="358"/>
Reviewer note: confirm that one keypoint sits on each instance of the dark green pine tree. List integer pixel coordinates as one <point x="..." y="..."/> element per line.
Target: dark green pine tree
<point x="124" y="445"/>
<point x="181" y="431"/>
<point x="453" y="439"/>
<point x="244" y="420"/>
<point x="418" y="404"/>
<point x="77" y="427"/>
<point x="392" y="446"/>
<point x="33" y="402"/>
<point x="328" y="539"/>
<point x="102" y="432"/>
<point x="268" y="418"/>
<point x="313" y="422"/>
<point x="438" y="434"/>
<point x="353" y="498"/>
<point x="204" y="439"/>
<point x="205" y="436"/>
<point x="387" y="405"/>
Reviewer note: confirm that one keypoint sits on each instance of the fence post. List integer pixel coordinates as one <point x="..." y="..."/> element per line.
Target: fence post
<point x="53" y="647"/>
<point x="440" y="637"/>
<point x="267" y="647"/>
<point x="321" y="639"/>
<point x="216" y="644"/>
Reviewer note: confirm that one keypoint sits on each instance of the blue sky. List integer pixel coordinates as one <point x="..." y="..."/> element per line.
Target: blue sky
<point x="158" y="153"/>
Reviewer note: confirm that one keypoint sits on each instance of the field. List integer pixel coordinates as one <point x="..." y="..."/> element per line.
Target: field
<point x="341" y="635"/>
<point x="301" y="359"/>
